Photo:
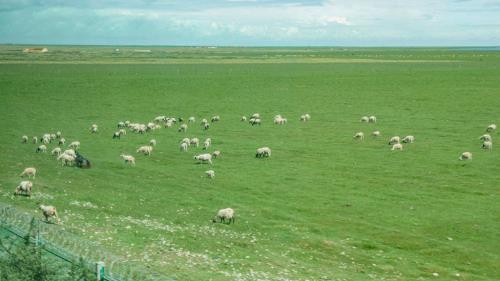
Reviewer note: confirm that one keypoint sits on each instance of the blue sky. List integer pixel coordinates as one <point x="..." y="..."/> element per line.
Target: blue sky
<point x="252" y="22"/>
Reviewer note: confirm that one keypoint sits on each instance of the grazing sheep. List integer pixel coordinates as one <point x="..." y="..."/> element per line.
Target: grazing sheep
<point x="263" y="152"/>
<point x="486" y="137"/>
<point x="365" y="119"/>
<point x="71" y="152"/>
<point x="46" y="139"/>
<point x="49" y="212"/>
<point x="62" y="141"/>
<point x="194" y="142"/>
<point x="204" y="121"/>
<point x="376" y="133"/>
<point x="210" y="174"/>
<point x="58" y="134"/>
<point x="24" y="139"/>
<point x="75" y="145"/>
<point x="117" y="135"/>
<point x="254" y="121"/>
<point x="255" y="116"/>
<point x="152" y="142"/>
<point x="184" y="146"/>
<point x="35" y="139"/>
<point x="397" y="146"/>
<point x="159" y="119"/>
<point x="186" y="140"/>
<point x="41" y="148"/>
<point x="24" y="188"/>
<point x="121" y="125"/>
<point x="487" y="145"/>
<point x="359" y="136"/>
<point x="372" y="119"/>
<point x="305" y="117"/>
<point x="56" y="151"/>
<point x="465" y="156"/>
<point x="280" y="120"/>
<point x="191" y="119"/>
<point x="146" y="150"/>
<point x="394" y="140"/>
<point x="215" y="118"/>
<point x="206" y="144"/>
<point x="66" y="159"/>
<point x="243" y="118"/>
<point x="206" y="126"/>
<point x="129" y="159"/>
<point x="183" y="128"/>
<point x="168" y="124"/>
<point x="206" y="157"/>
<point x="216" y="154"/>
<point x="127" y="123"/>
<point x="29" y="172"/>
<point x="93" y="128"/>
<point x="491" y="128"/>
<point x="52" y="137"/>
<point x="223" y="215"/>
<point x="408" y="139"/>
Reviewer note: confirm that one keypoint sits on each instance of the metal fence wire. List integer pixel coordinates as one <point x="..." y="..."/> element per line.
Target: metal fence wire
<point x="69" y="248"/>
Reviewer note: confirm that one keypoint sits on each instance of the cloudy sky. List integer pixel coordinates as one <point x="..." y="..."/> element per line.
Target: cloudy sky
<point x="252" y="22"/>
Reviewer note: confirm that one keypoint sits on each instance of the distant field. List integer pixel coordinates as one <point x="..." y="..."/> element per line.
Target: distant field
<point x="323" y="207"/>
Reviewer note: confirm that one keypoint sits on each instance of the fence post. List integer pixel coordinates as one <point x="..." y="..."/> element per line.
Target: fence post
<point x="100" y="271"/>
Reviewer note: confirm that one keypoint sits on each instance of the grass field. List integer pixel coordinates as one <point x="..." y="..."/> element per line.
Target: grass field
<point x="323" y="207"/>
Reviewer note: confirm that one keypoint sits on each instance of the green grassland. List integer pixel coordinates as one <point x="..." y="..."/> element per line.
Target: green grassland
<point x="323" y="207"/>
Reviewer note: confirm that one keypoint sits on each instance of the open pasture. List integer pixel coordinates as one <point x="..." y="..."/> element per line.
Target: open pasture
<point x="323" y="207"/>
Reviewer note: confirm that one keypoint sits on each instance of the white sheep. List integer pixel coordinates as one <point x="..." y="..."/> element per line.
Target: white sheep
<point x="376" y="133"/>
<point x="255" y="121"/>
<point x="263" y="152"/>
<point x="24" y="188"/>
<point x="397" y="146"/>
<point x="183" y="128"/>
<point x="168" y="124"/>
<point x="194" y="142"/>
<point x="215" y="118"/>
<point x="395" y="139"/>
<point x="58" y="134"/>
<point x="243" y="119"/>
<point x="66" y="159"/>
<point x="146" y="150"/>
<point x="117" y="135"/>
<point x="129" y="159"/>
<point x="152" y="142"/>
<point x="359" y="136"/>
<point x="56" y="151"/>
<point x="41" y="148"/>
<point x="372" y="119"/>
<point x="255" y="116"/>
<point x="49" y="212"/>
<point x="93" y="128"/>
<point x="184" y="146"/>
<point x="305" y="117"/>
<point x="216" y="154"/>
<point x="487" y="145"/>
<point x="62" y="141"/>
<point x="206" y="126"/>
<point x="52" y="137"/>
<point x="206" y="157"/>
<point x="121" y="125"/>
<point x="35" y="139"/>
<point x="210" y="174"/>
<point x="491" y="128"/>
<point x="364" y="119"/>
<point x="225" y="214"/>
<point x="204" y="121"/>
<point x="485" y="137"/>
<point x="24" y="139"/>
<point x="408" y="139"/>
<point x="191" y="119"/>
<point x="70" y="152"/>
<point x="280" y="120"/>
<point x="206" y="144"/>
<point x="465" y="156"/>
<point x="186" y="140"/>
<point x="159" y="119"/>
<point x="75" y="145"/>
<point x="46" y="139"/>
<point x="29" y="172"/>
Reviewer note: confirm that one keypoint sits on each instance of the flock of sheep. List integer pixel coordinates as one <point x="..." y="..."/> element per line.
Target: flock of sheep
<point x="397" y="142"/>
<point x="70" y="156"/>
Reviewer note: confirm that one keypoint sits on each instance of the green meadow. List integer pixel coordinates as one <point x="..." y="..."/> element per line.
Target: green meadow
<point x="323" y="207"/>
